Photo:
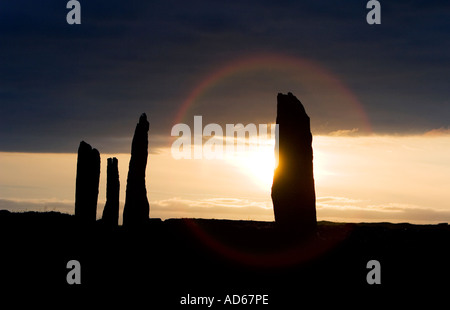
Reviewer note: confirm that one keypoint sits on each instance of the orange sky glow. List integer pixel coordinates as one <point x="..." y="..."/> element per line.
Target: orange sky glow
<point x="358" y="179"/>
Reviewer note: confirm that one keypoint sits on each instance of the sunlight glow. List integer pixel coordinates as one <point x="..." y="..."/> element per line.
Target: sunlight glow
<point x="257" y="162"/>
<point x="258" y="165"/>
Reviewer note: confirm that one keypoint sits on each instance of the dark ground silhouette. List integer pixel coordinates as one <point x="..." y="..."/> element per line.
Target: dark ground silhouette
<point x="165" y="260"/>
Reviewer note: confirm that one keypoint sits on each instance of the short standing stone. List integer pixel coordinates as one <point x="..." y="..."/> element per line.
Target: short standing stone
<point x="111" y="211"/>
<point x="88" y="177"/>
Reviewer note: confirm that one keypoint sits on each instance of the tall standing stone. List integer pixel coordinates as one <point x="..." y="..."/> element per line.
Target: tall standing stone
<point x="111" y="211"/>
<point x="293" y="194"/>
<point x="88" y="177"/>
<point x="136" y="209"/>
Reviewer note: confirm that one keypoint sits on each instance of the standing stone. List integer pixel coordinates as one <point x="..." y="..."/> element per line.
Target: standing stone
<point x="88" y="177"/>
<point x="136" y="209"/>
<point x="111" y="211"/>
<point x="293" y="194"/>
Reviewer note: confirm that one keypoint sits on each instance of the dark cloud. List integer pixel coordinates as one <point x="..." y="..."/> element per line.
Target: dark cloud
<point x="60" y="84"/>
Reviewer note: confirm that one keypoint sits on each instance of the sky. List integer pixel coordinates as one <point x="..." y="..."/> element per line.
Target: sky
<point x="377" y="96"/>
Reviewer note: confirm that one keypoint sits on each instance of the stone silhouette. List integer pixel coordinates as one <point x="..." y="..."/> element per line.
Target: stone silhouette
<point x="293" y="194"/>
<point x="111" y="211"/>
<point x="136" y="209"/>
<point x="88" y="177"/>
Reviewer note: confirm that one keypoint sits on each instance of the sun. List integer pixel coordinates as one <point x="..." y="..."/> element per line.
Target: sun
<point x="257" y="163"/>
